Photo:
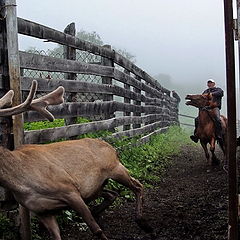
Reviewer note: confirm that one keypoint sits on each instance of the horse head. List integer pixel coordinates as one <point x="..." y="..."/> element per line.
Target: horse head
<point x="200" y="100"/>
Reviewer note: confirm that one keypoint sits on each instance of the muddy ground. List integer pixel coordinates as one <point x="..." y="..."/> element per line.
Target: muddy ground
<point x="190" y="202"/>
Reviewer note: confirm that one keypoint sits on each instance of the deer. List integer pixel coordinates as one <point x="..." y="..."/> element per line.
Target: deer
<point x="50" y="177"/>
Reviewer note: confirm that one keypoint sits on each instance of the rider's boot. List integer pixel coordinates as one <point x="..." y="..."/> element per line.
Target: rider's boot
<point x="194" y="138"/>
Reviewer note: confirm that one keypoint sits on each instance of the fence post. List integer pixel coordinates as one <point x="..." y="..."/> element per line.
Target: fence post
<point x="149" y="95"/>
<point x="176" y="102"/>
<point x="70" y="53"/>
<point x="6" y="139"/>
<point x="107" y="80"/>
<point x="127" y="100"/>
<point x="138" y="103"/>
<point x="15" y="82"/>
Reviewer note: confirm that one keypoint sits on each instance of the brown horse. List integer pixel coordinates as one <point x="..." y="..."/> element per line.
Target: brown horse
<point x="206" y="130"/>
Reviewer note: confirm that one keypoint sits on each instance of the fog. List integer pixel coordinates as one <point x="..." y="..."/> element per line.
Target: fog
<point x="181" y="39"/>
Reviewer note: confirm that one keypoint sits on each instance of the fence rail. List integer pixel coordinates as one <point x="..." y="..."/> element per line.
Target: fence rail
<point x="141" y="93"/>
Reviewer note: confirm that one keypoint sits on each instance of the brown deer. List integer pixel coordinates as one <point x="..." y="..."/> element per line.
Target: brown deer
<point x="205" y="130"/>
<point x="69" y="174"/>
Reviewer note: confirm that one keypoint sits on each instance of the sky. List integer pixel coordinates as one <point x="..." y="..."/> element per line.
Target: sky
<point x="183" y="39"/>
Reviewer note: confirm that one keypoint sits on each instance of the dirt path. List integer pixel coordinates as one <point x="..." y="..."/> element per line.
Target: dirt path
<point x="190" y="202"/>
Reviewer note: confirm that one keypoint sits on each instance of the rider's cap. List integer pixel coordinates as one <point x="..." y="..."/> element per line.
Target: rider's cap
<point x="210" y="80"/>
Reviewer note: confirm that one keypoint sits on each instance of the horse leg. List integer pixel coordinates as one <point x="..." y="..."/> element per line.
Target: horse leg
<point x="204" y="146"/>
<point x="215" y="161"/>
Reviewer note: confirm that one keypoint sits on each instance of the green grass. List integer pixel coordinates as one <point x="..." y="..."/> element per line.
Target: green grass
<point x="146" y="162"/>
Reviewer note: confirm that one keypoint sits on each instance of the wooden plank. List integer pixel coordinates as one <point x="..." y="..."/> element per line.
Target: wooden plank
<point x="36" y="30"/>
<point x="51" y="64"/>
<point x="47" y="85"/>
<point x="145" y="139"/>
<point x="141" y="130"/>
<point x="52" y="134"/>
<point x="92" y="108"/>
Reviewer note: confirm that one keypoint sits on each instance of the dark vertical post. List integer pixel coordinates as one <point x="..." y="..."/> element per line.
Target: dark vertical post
<point x="231" y="112"/>
<point x="70" y="53"/>
<point x="107" y="80"/>
<point x="5" y="122"/>
<point x="138" y="103"/>
<point x="14" y="76"/>
<point x="127" y="100"/>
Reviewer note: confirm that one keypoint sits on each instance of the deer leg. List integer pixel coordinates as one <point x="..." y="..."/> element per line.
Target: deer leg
<point x="51" y="224"/>
<point x="122" y="176"/>
<point x="76" y="203"/>
<point x="204" y="146"/>
<point x="109" y="197"/>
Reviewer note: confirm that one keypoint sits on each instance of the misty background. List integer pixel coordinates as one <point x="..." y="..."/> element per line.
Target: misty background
<point x="180" y="43"/>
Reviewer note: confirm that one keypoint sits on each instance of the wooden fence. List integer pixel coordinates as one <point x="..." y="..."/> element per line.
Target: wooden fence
<point x="146" y="107"/>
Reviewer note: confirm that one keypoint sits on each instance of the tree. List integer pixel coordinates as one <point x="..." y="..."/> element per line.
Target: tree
<point x="92" y="37"/>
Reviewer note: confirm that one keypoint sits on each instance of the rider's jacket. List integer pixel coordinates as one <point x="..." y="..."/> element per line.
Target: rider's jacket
<point x="217" y="94"/>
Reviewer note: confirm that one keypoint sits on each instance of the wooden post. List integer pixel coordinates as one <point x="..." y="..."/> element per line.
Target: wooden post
<point x="107" y="80"/>
<point x="70" y="53"/>
<point x="5" y="122"/>
<point x="137" y="103"/>
<point x="231" y="115"/>
<point x="127" y="100"/>
<point x="150" y="96"/>
<point x="14" y="77"/>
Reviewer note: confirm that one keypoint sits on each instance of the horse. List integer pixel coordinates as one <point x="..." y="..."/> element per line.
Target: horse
<point x="206" y="129"/>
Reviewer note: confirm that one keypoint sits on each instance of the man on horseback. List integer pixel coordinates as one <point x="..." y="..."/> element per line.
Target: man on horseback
<point x="216" y="93"/>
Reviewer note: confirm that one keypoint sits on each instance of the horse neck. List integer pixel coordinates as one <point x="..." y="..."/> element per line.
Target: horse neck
<point x="204" y="118"/>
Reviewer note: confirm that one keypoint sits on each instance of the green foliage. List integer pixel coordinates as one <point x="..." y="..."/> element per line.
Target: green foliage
<point x="43" y="124"/>
<point x="7" y="229"/>
<point x="47" y="124"/>
<point x="146" y="161"/>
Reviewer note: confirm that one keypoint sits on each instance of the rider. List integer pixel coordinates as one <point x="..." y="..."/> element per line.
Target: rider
<point x="217" y="94"/>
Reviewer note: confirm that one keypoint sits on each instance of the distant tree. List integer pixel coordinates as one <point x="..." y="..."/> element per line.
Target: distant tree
<point x="165" y="80"/>
<point x="126" y="54"/>
<point x="92" y="37"/>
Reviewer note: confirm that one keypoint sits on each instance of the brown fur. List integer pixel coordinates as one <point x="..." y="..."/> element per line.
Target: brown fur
<point x="44" y="178"/>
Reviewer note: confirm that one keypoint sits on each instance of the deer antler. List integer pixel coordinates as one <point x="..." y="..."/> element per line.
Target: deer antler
<point x="53" y="98"/>
<point x="6" y="100"/>
<point x="39" y="105"/>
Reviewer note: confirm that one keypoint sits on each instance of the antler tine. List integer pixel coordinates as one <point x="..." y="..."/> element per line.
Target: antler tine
<point x="21" y="107"/>
<point x="53" y="98"/>
<point x="6" y="100"/>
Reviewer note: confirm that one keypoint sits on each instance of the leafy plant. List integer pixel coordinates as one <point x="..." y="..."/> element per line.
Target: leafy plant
<point x="7" y="229"/>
